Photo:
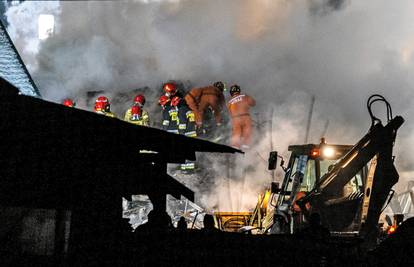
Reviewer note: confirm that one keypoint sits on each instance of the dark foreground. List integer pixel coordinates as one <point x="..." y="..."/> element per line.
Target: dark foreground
<point x="215" y="248"/>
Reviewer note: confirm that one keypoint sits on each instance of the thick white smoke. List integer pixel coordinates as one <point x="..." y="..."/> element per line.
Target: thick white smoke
<point x="280" y="52"/>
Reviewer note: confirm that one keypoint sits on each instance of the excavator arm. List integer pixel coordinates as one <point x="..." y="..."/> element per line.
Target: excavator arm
<point x="375" y="147"/>
<point x="379" y="140"/>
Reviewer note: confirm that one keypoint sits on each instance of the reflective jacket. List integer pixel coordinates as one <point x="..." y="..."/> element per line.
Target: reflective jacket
<point x="108" y="113"/>
<point x="142" y="120"/>
<point x="186" y="121"/>
<point x="170" y="119"/>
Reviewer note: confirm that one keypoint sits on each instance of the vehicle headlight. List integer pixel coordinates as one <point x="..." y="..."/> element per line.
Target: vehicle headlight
<point x="328" y="152"/>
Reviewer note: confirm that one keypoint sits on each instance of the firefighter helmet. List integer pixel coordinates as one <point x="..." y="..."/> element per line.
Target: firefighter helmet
<point x="102" y="104"/>
<point x="175" y="101"/>
<point x="220" y="85"/>
<point x="170" y="89"/>
<point x="68" y="102"/>
<point x="163" y="100"/>
<point x="235" y="89"/>
<point x="140" y="100"/>
<point x="136" y="111"/>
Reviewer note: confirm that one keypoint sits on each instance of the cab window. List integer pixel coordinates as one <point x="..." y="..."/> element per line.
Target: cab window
<point x="309" y="177"/>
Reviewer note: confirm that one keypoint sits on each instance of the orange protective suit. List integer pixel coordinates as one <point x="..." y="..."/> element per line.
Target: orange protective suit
<point x="199" y="99"/>
<point x="239" y="106"/>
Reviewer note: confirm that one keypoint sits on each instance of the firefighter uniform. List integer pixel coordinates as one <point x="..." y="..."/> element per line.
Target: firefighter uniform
<point x="106" y="113"/>
<point x="186" y="126"/>
<point x="199" y="99"/>
<point x="239" y="106"/>
<point x="170" y="119"/>
<point x="102" y="106"/>
<point x="186" y="121"/>
<point x="137" y="119"/>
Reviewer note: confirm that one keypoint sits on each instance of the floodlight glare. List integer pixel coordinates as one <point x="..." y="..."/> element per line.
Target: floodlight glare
<point x="328" y="152"/>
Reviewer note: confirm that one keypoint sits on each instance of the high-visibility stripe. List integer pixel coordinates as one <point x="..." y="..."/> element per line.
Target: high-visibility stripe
<point x="236" y="99"/>
<point x="187" y="166"/>
<point x="191" y="134"/>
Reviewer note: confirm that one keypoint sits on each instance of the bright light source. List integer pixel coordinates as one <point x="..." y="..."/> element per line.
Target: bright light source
<point x="328" y="152"/>
<point x="46" y="26"/>
<point x="315" y="153"/>
<point x="391" y="230"/>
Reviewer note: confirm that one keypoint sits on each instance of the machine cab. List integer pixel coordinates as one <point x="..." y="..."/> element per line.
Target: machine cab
<point x="307" y="164"/>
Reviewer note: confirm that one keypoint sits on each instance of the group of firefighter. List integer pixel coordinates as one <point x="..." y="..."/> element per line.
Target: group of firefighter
<point x="185" y="114"/>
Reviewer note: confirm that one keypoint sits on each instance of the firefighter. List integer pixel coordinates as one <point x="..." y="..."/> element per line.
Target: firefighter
<point x="186" y="121"/>
<point x="169" y="115"/>
<point x="68" y="102"/>
<point x="102" y="106"/>
<point x="199" y="99"/>
<point x="186" y="126"/>
<point x="170" y="89"/>
<point x="136" y="114"/>
<point x="239" y="106"/>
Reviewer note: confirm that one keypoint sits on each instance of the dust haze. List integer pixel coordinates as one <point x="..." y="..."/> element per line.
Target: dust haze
<point x="280" y="52"/>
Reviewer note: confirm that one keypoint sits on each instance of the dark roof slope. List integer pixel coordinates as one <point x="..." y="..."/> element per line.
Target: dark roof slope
<point x="12" y="67"/>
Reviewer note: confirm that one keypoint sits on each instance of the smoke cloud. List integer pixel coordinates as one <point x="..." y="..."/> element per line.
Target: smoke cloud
<point x="280" y="52"/>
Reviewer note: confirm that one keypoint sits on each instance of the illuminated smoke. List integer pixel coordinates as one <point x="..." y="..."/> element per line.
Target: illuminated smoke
<point x="281" y="52"/>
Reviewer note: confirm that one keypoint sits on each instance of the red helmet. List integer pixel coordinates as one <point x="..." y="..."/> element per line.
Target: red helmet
<point x="170" y="89"/>
<point x="163" y="100"/>
<point x="68" y="102"/>
<point x="139" y="99"/>
<point x="136" y="111"/>
<point x="102" y="104"/>
<point x="175" y="101"/>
